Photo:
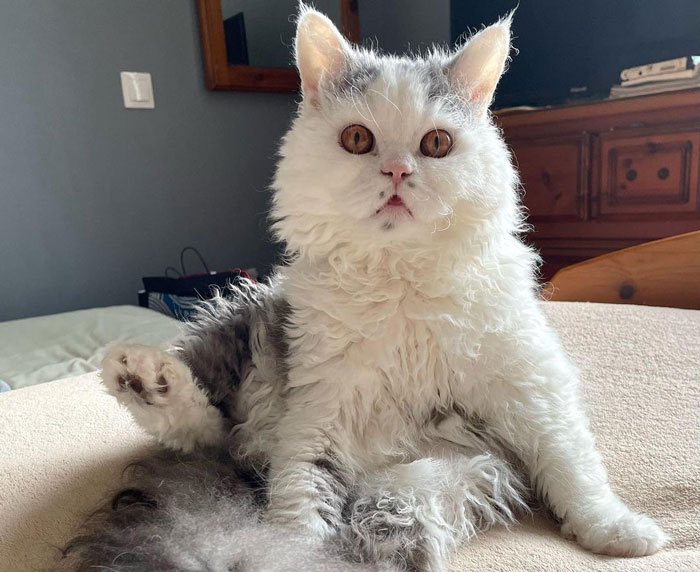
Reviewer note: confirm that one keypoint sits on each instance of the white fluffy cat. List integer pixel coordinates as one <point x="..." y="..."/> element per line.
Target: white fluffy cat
<point x="403" y="348"/>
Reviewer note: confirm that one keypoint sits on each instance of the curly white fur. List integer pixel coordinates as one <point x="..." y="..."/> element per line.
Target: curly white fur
<point x="396" y="317"/>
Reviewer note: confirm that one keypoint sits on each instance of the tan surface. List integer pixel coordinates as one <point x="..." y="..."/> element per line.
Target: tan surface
<point x="64" y="443"/>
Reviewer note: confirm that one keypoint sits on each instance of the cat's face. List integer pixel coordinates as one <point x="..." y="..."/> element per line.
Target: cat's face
<point x="390" y="149"/>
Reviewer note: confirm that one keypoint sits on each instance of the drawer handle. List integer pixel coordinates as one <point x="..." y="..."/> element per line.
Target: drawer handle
<point x="631" y="175"/>
<point x="663" y="173"/>
<point x="626" y="291"/>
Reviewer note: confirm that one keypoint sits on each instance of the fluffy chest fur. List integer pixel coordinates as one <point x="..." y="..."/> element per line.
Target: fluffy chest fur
<point x="389" y="346"/>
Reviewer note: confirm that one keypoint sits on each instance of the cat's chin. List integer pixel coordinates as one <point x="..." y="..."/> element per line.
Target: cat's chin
<point x="385" y="231"/>
<point x="395" y="211"/>
<point x="390" y="218"/>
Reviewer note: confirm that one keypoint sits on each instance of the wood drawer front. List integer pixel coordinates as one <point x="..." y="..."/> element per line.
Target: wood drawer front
<point x="554" y="174"/>
<point x="649" y="174"/>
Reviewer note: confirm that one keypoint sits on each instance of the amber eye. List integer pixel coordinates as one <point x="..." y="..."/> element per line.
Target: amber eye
<point x="436" y="143"/>
<point x="357" y="139"/>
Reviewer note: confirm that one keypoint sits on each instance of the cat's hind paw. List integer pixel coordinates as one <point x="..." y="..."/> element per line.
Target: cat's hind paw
<point x="143" y="375"/>
<point x="161" y="394"/>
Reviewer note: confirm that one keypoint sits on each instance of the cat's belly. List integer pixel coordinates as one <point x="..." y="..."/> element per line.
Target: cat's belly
<point x="394" y="434"/>
<point x="401" y="385"/>
<point x="386" y="370"/>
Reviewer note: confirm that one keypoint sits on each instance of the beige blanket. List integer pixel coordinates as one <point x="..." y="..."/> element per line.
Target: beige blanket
<point x="63" y="444"/>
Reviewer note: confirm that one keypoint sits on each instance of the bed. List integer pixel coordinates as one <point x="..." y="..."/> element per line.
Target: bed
<point x="64" y="444"/>
<point x="46" y="348"/>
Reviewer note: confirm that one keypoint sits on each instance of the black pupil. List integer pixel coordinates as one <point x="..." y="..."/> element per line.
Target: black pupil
<point x="357" y="137"/>
<point x="437" y="142"/>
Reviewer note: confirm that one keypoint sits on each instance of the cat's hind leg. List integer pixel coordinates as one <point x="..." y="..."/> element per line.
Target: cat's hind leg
<point x="418" y="513"/>
<point x="162" y="395"/>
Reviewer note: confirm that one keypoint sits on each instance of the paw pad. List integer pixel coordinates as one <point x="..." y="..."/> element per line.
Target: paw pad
<point x="132" y="382"/>
<point x="162" y="384"/>
<point x="147" y="375"/>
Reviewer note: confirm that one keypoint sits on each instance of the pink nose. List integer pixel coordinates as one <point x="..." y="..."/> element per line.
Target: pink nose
<point x="397" y="170"/>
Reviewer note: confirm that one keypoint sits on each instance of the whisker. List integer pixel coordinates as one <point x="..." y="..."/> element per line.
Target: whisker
<point x="422" y="199"/>
<point x="369" y="109"/>
<point x="387" y="98"/>
<point x="354" y="102"/>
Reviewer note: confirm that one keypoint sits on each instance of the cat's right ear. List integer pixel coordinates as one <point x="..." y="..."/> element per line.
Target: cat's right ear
<point x="321" y="52"/>
<point x="479" y="64"/>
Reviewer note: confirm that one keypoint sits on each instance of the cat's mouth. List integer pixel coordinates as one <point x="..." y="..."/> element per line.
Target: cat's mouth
<point x="395" y="205"/>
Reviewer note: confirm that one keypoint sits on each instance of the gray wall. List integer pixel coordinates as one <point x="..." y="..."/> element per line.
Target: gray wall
<point x="93" y="196"/>
<point x="400" y="24"/>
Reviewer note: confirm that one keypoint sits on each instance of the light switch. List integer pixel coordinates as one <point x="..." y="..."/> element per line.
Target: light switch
<point x="137" y="90"/>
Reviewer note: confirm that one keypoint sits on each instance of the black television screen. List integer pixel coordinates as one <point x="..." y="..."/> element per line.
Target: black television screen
<point x="576" y="49"/>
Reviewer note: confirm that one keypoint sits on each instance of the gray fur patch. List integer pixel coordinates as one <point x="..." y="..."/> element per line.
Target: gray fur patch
<point x="435" y="76"/>
<point x="219" y="343"/>
<point x="358" y="74"/>
<point x="379" y="531"/>
<point x="332" y="483"/>
<point x="193" y="513"/>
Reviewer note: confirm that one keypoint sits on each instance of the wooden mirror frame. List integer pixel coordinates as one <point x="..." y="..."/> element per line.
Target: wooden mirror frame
<point x="219" y="75"/>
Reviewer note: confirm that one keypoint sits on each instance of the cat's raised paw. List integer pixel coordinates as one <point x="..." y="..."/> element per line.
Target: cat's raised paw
<point x="142" y="374"/>
<point x="163" y="396"/>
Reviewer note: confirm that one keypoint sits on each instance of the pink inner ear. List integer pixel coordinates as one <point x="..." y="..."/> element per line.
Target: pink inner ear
<point x="477" y="93"/>
<point x="320" y="49"/>
<point x="481" y="62"/>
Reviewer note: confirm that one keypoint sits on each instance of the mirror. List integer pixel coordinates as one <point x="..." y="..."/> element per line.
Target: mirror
<point x="247" y="44"/>
<point x="258" y="36"/>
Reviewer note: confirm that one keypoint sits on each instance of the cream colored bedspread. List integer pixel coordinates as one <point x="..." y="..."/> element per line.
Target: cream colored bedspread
<point x="63" y="445"/>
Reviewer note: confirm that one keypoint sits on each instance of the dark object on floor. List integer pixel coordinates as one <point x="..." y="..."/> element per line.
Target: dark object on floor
<point x="181" y="296"/>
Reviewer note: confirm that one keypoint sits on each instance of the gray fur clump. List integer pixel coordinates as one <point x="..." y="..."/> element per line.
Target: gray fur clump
<point x="195" y="513"/>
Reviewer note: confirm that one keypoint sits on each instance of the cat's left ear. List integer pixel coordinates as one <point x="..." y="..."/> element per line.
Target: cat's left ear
<point x="475" y="70"/>
<point x="321" y="52"/>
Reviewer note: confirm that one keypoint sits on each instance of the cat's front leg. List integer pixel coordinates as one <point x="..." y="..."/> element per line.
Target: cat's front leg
<point x="162" y="396"/>
<point x="541" y="417"/>
<point x="308" y="483"/>
<point x="304" y="493"/>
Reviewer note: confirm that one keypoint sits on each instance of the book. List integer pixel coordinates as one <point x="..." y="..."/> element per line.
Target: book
<point x="671" y="76"/>
<point x="648" y="88"/>
<point x="660" y="68"/>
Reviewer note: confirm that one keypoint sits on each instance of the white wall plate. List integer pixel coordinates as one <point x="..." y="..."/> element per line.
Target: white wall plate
<point x="137" y="90"/>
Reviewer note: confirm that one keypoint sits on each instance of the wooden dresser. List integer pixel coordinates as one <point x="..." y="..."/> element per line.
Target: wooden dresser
<point x="604" y="176"/>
